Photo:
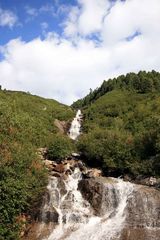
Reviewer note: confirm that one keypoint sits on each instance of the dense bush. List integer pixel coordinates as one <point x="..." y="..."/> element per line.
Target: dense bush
<point x="60" y="148"/>
<point x="111" y="150"/>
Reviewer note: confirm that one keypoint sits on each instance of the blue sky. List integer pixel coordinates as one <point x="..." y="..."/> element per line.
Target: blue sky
<point x="60" y="49"/>
<point x="29" y="26"/>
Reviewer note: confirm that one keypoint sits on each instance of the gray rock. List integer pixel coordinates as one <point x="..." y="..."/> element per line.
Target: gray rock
<point x="142" y="212"/>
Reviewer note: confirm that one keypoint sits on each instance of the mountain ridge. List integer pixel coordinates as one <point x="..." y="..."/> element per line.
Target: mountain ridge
<point x="142" y="82"/>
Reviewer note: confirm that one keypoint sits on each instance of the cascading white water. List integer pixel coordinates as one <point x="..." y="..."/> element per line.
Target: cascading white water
<point x="73" y="210"/>
<point x="75" y="128"/>
<point x="76" y="216"/>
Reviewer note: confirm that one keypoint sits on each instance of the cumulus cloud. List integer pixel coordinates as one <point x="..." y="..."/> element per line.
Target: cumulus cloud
<point x="127" y="17"/>
<point x="87" y="17"/>
<point x="58" y="67"/>
<point x="52" y="68"/>
<point x="92" y="14"/>
<point x="7" y="18"/>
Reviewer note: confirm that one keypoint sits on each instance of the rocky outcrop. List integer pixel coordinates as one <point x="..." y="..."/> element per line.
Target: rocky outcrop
<point x="142" y="213"/>
<point x="61" y="125"/>
<point x="96" y="192"/>
<point x="142" y="180"/>
<point x="66" y="167"/>
<point x="149" y="181"/>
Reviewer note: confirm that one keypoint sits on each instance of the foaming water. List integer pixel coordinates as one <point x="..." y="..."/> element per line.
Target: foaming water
<point x="73" y="210"/>
<point x="108" y="226"/>
<point x="75" y="128"/>
<point x="76" y="217"/>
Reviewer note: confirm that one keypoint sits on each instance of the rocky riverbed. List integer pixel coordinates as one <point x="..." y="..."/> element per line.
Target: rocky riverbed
<point x="99" y="198"/>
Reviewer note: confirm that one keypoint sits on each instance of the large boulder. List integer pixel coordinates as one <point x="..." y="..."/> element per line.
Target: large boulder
<point x="142" y="211"/>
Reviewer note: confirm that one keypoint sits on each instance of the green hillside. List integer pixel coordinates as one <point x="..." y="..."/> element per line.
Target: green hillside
<point x="121" y="135"/>
<point x="26" y="123"/>
<point x="122" y="125"/>
<point x="143" y="82"/>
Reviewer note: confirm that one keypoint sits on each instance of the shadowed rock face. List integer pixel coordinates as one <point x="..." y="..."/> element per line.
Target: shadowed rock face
<point x="142" y="212"/>
<point x="143" y="215"/>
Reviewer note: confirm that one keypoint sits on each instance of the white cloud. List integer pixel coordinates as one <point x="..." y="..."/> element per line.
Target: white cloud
<point x="70" y="24"/>
<point x="58" y="68"/>
<point x="91" y="18"/>
<point x="33" y="12"/>
<point x="87" y="17"/>
<point x="51" y="68"/>
<point x="7" y="18"/>
<point x="127" y="17"/>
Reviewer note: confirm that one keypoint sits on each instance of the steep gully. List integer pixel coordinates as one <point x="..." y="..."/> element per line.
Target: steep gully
<point x="81" y="204"/>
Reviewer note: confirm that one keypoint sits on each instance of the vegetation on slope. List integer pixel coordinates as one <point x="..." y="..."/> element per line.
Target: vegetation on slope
<point x="122" y="125"/>
<point x="143" y="82"/>
<point x="121" y="134"/>
<point x="60" y="148"/>
<point x="26" y="123"/>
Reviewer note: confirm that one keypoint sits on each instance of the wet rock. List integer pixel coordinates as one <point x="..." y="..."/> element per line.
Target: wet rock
<point x="75" y="155"/>
<point x="143" y="209"/>
<point x="139" y="234"/>
<point x="48" y="213"/>
<point x="150" y="181"/>
<point x="142" y="212"/>
<point x="92" y="191"/>
<point x="51" y="217"/>
<point x="59" y="168"/>
<point x="74" y="218"/>
<point x="127" y="178"/>
<point x="55" y="174"/>
<point x="61" y="187"/>
<point x="93" y="173"/>
<point x="71" y="164"/>
<point x="50" y="165"/>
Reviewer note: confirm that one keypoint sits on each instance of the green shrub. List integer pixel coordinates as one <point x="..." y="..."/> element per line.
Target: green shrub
<point x="60" y="148"/>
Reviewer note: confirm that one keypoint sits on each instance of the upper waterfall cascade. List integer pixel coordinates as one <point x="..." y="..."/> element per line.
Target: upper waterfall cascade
<point x="76" y="216"/>
<point x="75" y="128"/>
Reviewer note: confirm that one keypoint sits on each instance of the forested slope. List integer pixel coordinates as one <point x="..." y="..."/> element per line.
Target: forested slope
<point x="122" y="125"/>
<point x="26" y="123"/>
<point x="143" y="82"/>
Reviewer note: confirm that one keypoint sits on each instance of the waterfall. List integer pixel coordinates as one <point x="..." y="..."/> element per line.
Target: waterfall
<point x="72" y="209"/>
<point x="75" y="128"/>
<point x="77" y="219"/>
<point x="73" y="215"/>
